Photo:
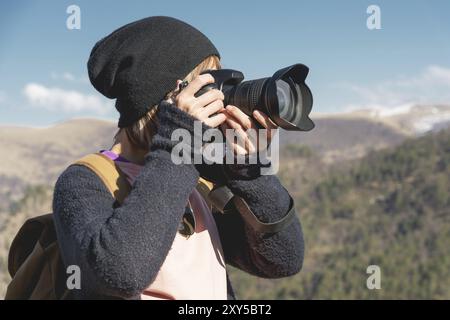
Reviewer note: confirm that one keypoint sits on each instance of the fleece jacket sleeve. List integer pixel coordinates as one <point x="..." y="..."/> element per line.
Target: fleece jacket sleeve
<point x="268" y="255"/>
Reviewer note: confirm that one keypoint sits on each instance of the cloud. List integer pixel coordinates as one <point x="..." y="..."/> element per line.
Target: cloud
<point x="431" y="86"/>
<point x="69" y="101"/>
<point x="67" y="76"/>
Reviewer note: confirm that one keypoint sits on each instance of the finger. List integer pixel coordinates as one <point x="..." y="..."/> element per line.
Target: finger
<point x="216" y="120"/>
<point x="251" y="136"/>
<point x="233" y="134"/>
<point x="241" y="117"/>
<point x="224" y="126"/>
<point x="234" y="124"/>
<point x="236" y="147"/>
<point x="266" y="122"/>
<point x="244" y="140"/>
<point x="209" y="97"/>
<point x="198" y="83"/>
<point x="211" y="108"/>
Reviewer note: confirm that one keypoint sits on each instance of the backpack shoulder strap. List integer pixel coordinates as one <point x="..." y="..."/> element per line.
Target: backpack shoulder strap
<point x="115" y="180"/>
<point x="109" y="172"/>
<point x="204" y="187"/>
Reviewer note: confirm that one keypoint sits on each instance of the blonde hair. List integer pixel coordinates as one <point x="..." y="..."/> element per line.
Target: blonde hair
<point x="141" y="132"/>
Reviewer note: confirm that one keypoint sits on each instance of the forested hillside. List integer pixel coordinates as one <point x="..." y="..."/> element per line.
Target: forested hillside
<point x="391" y="209"/>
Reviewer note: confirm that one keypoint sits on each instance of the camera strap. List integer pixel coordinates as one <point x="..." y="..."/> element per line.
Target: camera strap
<point x="226" y="202"/>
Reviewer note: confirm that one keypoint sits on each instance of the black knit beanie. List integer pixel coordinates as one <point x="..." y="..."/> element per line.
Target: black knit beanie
<point x="139" y="63"/>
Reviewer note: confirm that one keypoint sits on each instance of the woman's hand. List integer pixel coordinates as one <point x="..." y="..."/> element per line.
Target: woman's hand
<point x="240" y="122"/>
<point x="205" y="106"/>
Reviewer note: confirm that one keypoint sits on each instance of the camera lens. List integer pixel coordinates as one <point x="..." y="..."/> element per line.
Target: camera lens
<point x="287" y="99"/>
<point x="246" y="95"/>
<point x="284" y="97"/>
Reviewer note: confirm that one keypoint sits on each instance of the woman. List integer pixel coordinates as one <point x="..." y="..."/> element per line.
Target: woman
<point x="141" y="250"/>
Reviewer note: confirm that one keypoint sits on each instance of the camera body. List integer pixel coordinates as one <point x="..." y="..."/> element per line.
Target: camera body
<point x="224" y="80"/>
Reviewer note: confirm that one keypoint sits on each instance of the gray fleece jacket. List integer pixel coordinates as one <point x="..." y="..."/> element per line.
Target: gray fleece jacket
<point x="121" y="249"/>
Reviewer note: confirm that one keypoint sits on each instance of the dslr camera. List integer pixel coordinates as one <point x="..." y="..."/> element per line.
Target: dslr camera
<point x="284" y="97"/>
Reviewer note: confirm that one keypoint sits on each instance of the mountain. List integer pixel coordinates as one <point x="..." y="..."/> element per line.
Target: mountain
<point x="35" y="156"/>
<point x="411" y="119"/>
<point x="338" y="138"/>
<point x="349" y="135"/>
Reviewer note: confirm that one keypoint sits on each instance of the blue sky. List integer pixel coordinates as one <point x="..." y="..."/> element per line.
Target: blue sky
<point x="43" y="64"/>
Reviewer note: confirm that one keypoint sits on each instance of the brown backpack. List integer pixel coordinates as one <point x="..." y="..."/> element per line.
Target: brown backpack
<point x="34" y="260"/>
